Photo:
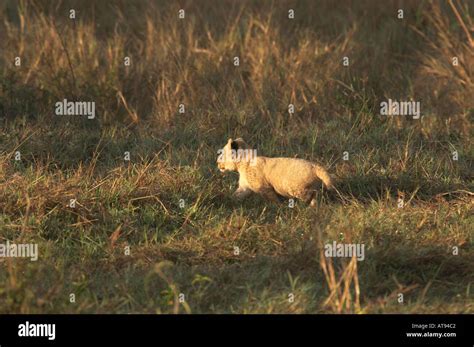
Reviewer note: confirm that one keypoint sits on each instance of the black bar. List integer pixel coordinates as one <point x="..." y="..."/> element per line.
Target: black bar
<point x="223" y="329"/>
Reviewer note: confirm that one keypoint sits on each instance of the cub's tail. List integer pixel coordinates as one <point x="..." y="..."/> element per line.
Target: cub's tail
<point x="324" y="176"/>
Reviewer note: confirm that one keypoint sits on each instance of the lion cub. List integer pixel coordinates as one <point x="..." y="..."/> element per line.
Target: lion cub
<point x="271" y="177"/>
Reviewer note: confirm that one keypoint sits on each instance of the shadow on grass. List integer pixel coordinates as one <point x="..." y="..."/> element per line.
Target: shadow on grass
<point x="367" y="188"/>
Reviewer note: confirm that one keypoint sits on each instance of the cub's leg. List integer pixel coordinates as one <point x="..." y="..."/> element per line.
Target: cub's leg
<point x="242" y="193"/>
<point x="269" y="194"/>
<point x="308" y="196"/>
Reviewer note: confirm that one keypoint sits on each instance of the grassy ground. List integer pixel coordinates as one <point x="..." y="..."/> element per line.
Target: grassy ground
<point x="174" y="249"/>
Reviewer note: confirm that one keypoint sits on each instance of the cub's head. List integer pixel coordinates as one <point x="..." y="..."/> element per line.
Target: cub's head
<point x="228" y="156"/>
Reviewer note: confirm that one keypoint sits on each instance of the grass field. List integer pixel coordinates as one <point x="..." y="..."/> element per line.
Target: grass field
<point x="161" y="233"/>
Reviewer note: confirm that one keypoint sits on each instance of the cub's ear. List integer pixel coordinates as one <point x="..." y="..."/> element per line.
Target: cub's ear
<point x="234" y="145"/>
<point x="241" y="143"/>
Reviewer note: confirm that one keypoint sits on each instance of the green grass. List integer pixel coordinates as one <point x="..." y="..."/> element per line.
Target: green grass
<point x="191" y="249"/>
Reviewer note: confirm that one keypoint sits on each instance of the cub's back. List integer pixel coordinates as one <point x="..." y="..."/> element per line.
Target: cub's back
<point x="289" y="173"/>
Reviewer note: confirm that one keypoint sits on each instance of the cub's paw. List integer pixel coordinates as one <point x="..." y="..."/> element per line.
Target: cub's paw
<point x="240" y="194"/>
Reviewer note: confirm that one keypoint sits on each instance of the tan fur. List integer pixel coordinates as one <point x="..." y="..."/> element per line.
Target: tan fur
<point x="274" y="177"/>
